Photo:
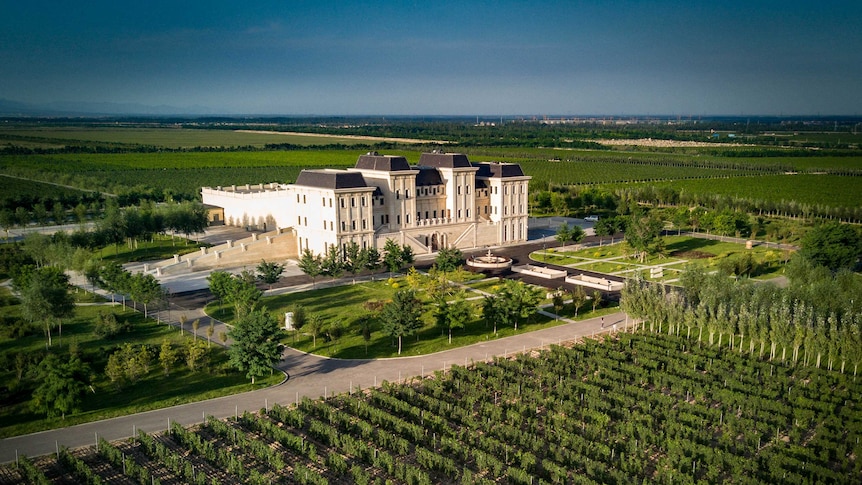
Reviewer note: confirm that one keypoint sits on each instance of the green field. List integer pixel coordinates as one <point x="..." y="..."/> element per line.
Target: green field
<point x="164" y="137"/>
<point x="826" y="190"/>
<point x="154" y="390"/>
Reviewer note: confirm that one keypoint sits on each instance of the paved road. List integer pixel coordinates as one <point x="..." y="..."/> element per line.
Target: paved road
<point x="310" y="376"/>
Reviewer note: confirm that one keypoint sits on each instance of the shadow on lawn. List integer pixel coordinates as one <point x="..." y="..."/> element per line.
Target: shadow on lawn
<point x="691" y="244"/>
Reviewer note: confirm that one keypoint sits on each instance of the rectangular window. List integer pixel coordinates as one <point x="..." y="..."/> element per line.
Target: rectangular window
<point x="406" y="193"/>
<point x="468" y="213"/>
<point x="330" y="202"/>
<point x="363" y="201"/>
<point x="435" y="214"/>
<point x="297" y="198"/>
<point x="364" y="224"/>
<point x="352" y="202"/>
<point x="398" y="219"/>
<point x="468" y="190"/>
<point x="298" y="220"/>
<point x="343" y="226"/>
<point x="459" y="190"/>
<point x="418" y="216"/>
<point x="324" y="225"/>
<point x="323" y="201"/>
<point x="407" y="218"/>
<point x="303" y="199"/>
<point x="459" y="213"/>
<point x="305" y="221"/>
<point x="426" y="214"/>
<point x="352" y="225"/>
<point x="341" y="201"/>
<point x="397" y="194"/>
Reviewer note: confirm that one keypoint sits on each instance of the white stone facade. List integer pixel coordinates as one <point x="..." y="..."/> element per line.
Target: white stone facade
<point x="443" y="201"/>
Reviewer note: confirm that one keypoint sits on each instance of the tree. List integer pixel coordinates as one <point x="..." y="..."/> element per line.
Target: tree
<point x="558" y="301"/>
<point x="40" y="213"/>
<point x="256" y="343"/>
<point x="521" y="300"/>
<point x="80" y="212"/>
<point x="221" y="285"/>
<point x="577" y="234"/>
<point x="332" y="264"/>
<point x="596" y="299"/>
<point x="145" y="288"/>
<point x="401" y="316"/>
<point x="269" y="273"/>
<point x="45" y="298"/>
<point x="833" y="245"/>
<point x="196" y="354"/>
<point x="396" y="256"/>
<point x="606" y="226"/>
<point x="22" y="216"/>
<point x="448" y="259"/>
<point x="643" y="234"/>
<point x="372" y="260"/>
<point x="62" y="384"/>
<point x="355" y="259"/>
<point x="364" y="322"/>
<point x="7" y="220"/>
<point x="578" y="298"/>
<point x="563" y="234"/>
<point x="245" y="295"/>
<point x="168" y="356"/>
<point x="315" y="326"/>
<point x="495" y="311"/>
<point x="58" y="213"/>
<point x="451" y="315"/>
<point x="310" y="264"/>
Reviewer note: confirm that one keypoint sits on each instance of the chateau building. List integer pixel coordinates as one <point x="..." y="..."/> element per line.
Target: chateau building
<point x="443" y="201"/>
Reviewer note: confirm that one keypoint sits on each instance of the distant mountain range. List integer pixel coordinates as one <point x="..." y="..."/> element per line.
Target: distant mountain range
<point x="73" y="108"/>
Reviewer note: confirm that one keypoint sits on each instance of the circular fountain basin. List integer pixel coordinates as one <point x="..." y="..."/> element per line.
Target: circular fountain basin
<point x="489" y="261"/>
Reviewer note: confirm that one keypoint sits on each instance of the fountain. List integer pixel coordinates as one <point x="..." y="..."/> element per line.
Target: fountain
<point x="489" y="262"/>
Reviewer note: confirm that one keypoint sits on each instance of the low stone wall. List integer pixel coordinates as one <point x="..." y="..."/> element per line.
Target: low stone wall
<point x="540" y="271"/>
<point x="593" y="282"/>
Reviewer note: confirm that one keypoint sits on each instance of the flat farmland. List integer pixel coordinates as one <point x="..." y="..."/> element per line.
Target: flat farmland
<point x="762" y="178"/>
<point x="176" y="137"/>
<point x="825" y="190"/>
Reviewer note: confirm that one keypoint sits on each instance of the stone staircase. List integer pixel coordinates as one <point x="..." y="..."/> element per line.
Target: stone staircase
<point x="276" y="245"/>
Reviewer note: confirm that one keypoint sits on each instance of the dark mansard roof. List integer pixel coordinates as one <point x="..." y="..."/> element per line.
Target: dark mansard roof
<point x="428" y="176"/>
<point x="499" y="170"/>
<point x="330" y="179"/>
<point x="384" y="163"/>
<point x="444" y="160"/>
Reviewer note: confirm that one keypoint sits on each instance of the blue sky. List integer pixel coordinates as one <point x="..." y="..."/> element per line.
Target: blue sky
<point x="438" y="57"/>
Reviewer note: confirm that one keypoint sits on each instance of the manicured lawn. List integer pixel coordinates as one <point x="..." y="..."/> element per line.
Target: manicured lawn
<point x="153" y="390"/>
<point x="345" y="304"/>
<point x="160" y="247"/>
<point x="680" y="251"/>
